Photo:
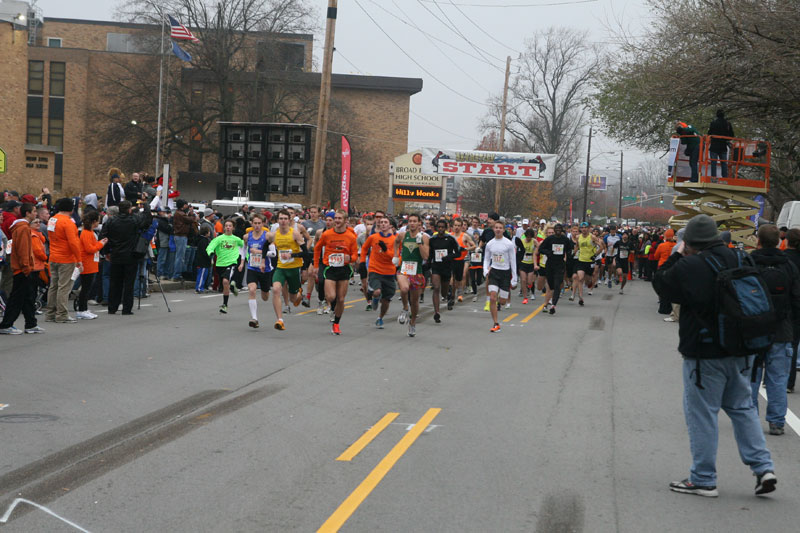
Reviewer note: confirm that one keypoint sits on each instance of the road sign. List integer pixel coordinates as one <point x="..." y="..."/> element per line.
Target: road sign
<point x="2" y="161"/>
<point x="628" y="198"/>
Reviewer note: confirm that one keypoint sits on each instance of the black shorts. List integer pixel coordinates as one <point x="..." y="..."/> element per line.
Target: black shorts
<point x="586" y="266"/>
<point x="622" y="264"/>
<point x="555" y="274"/>
<point x="443" y="270"/>
<point x="500" y="279"/>
<point x="542" y="272"/>
<point x="526" y="267"/>
<point x="342" y="273"/>
<point x="458" y="270"/>
<point x="572" y="267"/>
<point x="362" y="270"/>
<point x="226" y="272"/>
<point x="262" y="279"/>
<point x="385" y="283"/>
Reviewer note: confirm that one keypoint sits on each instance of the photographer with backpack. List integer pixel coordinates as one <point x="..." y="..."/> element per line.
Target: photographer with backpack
<point x="783" y="280"/>
<point x="716" y="338"/>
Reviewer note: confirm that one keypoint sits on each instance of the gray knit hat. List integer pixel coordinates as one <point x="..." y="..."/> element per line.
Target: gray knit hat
<point x="701" y="230"/>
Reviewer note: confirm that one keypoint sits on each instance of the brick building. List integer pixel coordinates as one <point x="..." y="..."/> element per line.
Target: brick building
<point x="51" y="99"/>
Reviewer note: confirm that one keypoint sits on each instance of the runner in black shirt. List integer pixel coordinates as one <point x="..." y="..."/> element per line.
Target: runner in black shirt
<point x="556" y="248"/>
<point x="443" y="249"/>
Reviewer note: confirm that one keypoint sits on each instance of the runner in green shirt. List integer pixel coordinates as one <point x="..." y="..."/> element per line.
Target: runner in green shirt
<point x="228" y="249"/>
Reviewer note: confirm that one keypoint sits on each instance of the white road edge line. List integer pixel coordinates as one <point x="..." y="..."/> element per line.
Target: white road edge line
<point x="791" y="418"/>
<point x="16" y="502"/>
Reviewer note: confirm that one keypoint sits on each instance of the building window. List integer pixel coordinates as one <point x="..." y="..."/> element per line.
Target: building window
<point x="58" y="172"/>
<point x="34" y="130"/>
<point x="58" y="73"/>
<point x="54" y="42"/>
<point x="123" y="42"/>
<point x="35" y="77"/>
<point x="55" y="132"/>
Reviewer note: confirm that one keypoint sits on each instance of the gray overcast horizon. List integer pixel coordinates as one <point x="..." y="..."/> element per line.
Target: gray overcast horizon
<point x="438" y="116"/>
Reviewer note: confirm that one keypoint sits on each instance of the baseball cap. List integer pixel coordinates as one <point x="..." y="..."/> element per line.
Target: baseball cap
<point x="526" y="221"/>
<point x="11" y="204"/>
<point x="28" y="199"/>
<point x="584" y="224"/>
<point x="542" y="221"/>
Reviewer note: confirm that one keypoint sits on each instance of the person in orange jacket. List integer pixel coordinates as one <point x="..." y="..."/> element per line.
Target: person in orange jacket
<point x="21" y="298"/>
<point x="65" y="256"/>
<point x="90" y="257"/>
<point x="664" y="249"/>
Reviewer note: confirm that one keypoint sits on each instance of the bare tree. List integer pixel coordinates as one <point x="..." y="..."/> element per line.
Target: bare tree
<point x="546" y="98"/>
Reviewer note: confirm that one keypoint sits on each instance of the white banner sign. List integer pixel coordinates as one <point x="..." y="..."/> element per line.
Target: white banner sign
<point x="479" y="164"/>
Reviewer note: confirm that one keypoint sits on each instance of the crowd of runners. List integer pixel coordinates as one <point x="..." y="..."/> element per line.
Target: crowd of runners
<point x="290" y="255"/>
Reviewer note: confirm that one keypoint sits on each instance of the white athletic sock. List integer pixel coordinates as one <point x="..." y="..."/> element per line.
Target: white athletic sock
<point x="253" y="309"/>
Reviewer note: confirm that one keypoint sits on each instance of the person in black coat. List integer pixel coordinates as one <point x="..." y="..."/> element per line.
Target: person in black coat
<point x="123" y="233"/>
<point x="134" y="188"/>
<point x="718" y="148"/>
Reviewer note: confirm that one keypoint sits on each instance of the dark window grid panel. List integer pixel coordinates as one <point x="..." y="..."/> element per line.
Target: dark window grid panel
<point x="35" y="77"/>
<point x="58" y="76"/>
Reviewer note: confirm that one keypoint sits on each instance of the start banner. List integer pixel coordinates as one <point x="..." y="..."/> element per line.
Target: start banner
<point x="481" y="164"/>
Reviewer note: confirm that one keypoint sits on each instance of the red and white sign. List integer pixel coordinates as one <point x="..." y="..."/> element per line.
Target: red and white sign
<point x="480" y="164"/>
<point x="345" y="199"/>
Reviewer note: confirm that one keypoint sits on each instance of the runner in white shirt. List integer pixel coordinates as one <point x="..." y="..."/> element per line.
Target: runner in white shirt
<point x="500" y="269"/>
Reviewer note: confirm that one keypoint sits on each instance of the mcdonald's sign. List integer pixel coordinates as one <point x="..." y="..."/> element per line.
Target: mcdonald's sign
<point x="596" y="183"/>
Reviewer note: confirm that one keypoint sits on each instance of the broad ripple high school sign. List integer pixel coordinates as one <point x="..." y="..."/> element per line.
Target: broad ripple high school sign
<point x="480" y="164"/>
<point x="409" y="183"/>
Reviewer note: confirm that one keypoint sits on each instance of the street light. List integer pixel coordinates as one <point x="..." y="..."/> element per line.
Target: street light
<point x="133" y="122"/>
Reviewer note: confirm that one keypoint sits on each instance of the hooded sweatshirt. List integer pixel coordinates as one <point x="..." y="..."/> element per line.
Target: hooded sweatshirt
<point x="90" y="200"/>
<point x="21" y="249"/>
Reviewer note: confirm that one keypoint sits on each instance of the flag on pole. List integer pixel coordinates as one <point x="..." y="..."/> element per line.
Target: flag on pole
<point x="181" y="53"/>
<point x="345" y="194"/>
<point x="644" y="193"/>
<point x="179" y="31"/>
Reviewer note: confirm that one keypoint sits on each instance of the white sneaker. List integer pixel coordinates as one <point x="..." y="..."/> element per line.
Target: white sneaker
<point x="287" y="310"/>
<point x="669" y="319"/>
<point x="474" y="298"/>
<point x="320" y="308"/>
<point x="403" y="316"/>
<point x="85" y="315"/>
<point x="508" y="305"/>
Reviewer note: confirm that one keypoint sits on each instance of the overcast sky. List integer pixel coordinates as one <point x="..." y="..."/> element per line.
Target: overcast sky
<point x="439" y="116"/>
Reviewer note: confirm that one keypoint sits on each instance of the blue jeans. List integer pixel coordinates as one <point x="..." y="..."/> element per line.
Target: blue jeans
<point x="165" y="262"/>
<point x="106" y="279"/>
<point x="723" y="163"/>
<point x="188" y="261"/>
<point x="726" y="387"/>
<point x="777" y="363"/>
<point x="180" y="254"/>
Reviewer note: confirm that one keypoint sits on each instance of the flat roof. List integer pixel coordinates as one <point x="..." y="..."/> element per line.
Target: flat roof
<point x="141" y="26"/>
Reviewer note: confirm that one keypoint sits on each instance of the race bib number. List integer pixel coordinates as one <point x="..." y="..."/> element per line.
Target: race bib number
<point x="256" y="259"/>
<point x="498" y="259"/>
<point x="285" y="256"/>
<point x="336" y="260"/>
<point x="623" y="254"/>
<point x="409" y="268"/>
<point x="543" y="260"/>
<point x="528" y="258"/>
<point x="439" y="255"/>
<point x="476" y="257"/>
<point x="51" y="224"/>
<point x="558" y="249"/>
<point x="97" y="257"/>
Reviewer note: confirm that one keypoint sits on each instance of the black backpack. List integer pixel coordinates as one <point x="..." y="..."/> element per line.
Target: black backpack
<point x="745" y="318"/>
<point x="780" y="284"/>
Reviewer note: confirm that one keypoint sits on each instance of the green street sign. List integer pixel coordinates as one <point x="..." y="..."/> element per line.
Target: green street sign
<point x="628" y="198"/>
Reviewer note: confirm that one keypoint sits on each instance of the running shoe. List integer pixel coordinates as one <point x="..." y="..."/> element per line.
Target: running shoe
<point x="287" y="310"/>
<point x="326" y="308"/>
<point x="412" y="330"/>
<point x="422" y="296"/>
<point x="460" y="298"/>
<point x="450" y="305"/>
<point x="474" y="298"/>
<point x="369" y="307"/>
<point x="525" y="301"/>
<point x="403" y="316"/>
<point x="765" y="483"/>
<point x="572" y="298"/>
<point x="223" y="309"/>
<point x="580" y="302"/>
<point x="299" y="298"/>
<point x="253" y="323"/>
<point x="437" y="318"/>
<point x="486" y="307"/>
<point x="307" y="301"/>
<point x="552" y="309"/>
<point x="775" y="429"/>
<point x="379" y="323"/>
<point x="34" y="329"/>
<point x="495" y="328"/>
<point x="320" y="309"/>
<point x="589" y="292"/>
<point x="609" y="283"/>
<point x="234" y="290"/>
<point x="508" y="305"/>
<point x="520" y="294"/>
<point x="10" y="331"/>
<point x="85" y="315"/>
<point x="280" y="325"/>
<point x="620" y="291"/>
<point x="687" y="487"/>
<point x="335" y="329"/>
<point x="333" y="319"/>
<point x="533" y="295"/>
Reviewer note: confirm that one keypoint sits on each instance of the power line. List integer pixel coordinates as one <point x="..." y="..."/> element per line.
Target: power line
<point x="467" y="74"/>
<point x="349" y="62"/>
<point x="452" y="27"/>
<point x="426" y="71"/>
<point x="439" y="127"/>
<point x="428" y="35"/>
<point x="481" y="27"/>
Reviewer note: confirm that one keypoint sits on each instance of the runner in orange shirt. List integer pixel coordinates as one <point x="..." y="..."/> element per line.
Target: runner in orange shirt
<point x="341" y="251"/>
<point x="379" y="248"/>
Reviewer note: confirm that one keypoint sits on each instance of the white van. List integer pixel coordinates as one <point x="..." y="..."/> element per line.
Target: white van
<point x="790" y="215"/>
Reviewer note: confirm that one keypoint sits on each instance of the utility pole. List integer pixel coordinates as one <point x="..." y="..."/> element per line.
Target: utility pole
<point x="586" y="181"/>
<point x="324" y="104"/>
<point x="619" y="213"/>
<point x="502" y="133"/>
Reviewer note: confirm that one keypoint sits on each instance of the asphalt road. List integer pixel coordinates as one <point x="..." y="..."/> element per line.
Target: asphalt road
<point x="192" y="421"/>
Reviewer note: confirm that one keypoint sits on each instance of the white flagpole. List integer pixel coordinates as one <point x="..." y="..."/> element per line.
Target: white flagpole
<point x="160" y="83"/>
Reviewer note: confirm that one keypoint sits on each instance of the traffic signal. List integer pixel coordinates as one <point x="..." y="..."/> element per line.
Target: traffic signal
<point x="591" y="202"/>
<point x="661" y="199"/>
